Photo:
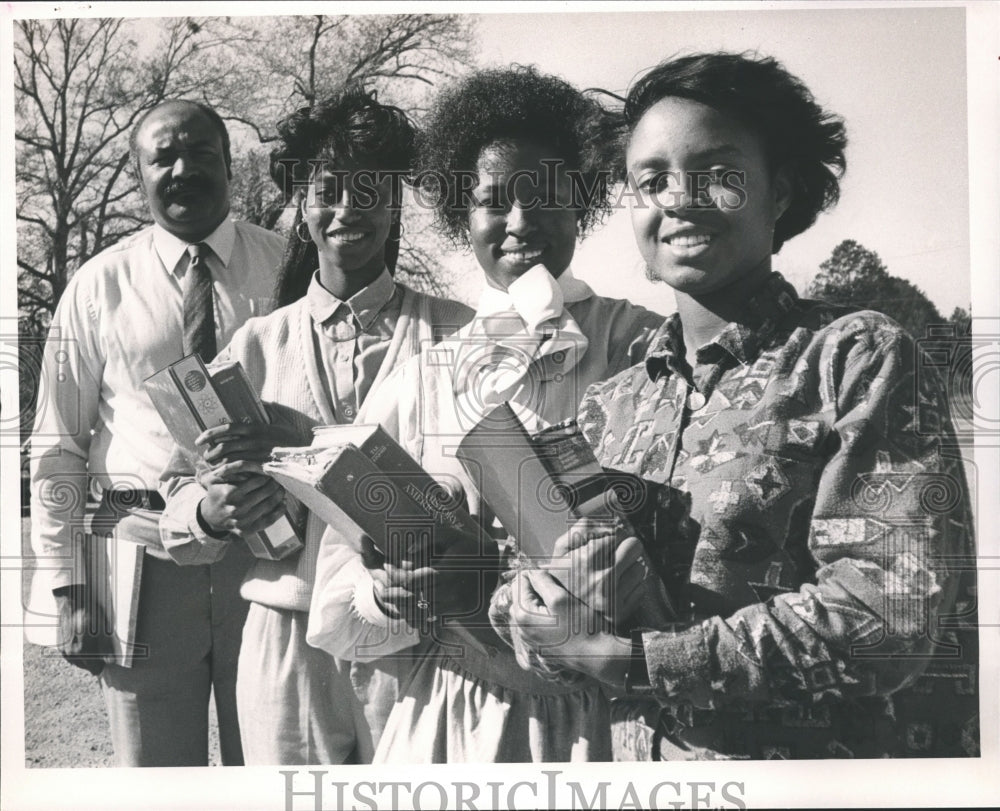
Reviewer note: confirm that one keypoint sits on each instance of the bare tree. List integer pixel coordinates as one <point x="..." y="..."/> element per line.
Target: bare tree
<point x="80" y="86"/>
<point x="297" y="60"/>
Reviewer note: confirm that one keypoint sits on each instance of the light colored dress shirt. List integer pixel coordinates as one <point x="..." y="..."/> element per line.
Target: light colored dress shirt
<point x="351" y="338"/>
<point x="119" y="321"/>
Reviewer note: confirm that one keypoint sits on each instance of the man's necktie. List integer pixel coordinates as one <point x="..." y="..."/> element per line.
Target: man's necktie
<point x="199" y="312"/>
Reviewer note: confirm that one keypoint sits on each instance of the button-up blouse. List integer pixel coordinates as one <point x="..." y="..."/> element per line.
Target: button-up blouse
<point x="829" y="533"/>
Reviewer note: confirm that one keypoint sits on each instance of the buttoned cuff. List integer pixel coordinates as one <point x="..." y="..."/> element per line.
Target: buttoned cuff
<point x="182" y="535"/>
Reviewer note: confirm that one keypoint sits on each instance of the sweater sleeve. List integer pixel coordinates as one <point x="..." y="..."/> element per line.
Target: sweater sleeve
<point x="891" y="510"/>
<point x="344" y="618"/>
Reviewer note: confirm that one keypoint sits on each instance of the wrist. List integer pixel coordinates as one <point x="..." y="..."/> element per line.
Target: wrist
<point x="613" y="665"/>
<point x="206" y="526"/>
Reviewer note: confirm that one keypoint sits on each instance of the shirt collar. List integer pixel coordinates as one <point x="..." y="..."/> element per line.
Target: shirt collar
<point x="743" y="339"/>
<point x="666" y="350"/>
<point x="171" y="249"/>
<point x="364" y="306"/>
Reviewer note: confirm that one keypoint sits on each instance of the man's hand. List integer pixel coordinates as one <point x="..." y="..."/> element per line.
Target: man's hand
<point x="83" y="632"/>
<point x="253" y="503"/>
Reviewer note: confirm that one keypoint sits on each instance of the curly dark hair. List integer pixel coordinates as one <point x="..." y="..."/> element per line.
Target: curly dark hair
<point x="350" y="124"/>
<point x="760" y="93"/>
<point x="513" y="103"/>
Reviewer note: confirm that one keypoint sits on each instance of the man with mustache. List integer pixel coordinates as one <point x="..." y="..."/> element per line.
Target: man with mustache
<point x="182" y="285"/>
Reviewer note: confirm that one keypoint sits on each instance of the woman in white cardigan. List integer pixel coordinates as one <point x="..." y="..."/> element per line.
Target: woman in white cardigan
<point x="344" y="326"/>
<point x="530" y="144"/>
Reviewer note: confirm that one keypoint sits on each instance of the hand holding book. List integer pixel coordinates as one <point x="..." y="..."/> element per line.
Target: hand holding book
<point x="424" y="585"/>
<point x="246" y="504"/>
<point x="226" y="445"/>
<point x="215" y="407"/>
<point x="601" y="561"/>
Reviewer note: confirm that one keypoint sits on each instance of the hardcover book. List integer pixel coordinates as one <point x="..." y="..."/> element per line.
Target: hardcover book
<point x="376" y="494"/>
<point x="192" y="397"/>
<point x="536" y="484"/>
<point x="402" y="470"/>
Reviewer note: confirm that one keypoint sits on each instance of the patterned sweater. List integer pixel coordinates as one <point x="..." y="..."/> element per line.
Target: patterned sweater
<point x="827" y="566"/>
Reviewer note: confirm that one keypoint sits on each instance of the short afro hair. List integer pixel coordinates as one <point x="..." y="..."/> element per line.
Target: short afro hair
<point x="510" y="104"/>
<point x="760" y="93"/>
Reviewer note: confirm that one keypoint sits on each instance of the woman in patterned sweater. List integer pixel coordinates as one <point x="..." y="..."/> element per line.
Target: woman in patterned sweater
<point x="818" y="536"/>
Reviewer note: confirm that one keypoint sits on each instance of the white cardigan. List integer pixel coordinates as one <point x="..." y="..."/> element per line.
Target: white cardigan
<point x="277" y="353"/>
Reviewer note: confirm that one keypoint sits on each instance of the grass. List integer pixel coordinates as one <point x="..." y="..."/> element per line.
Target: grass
<point x="65" y="723"/>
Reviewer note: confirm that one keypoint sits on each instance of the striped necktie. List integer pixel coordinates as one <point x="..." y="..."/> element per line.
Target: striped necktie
<point x="199" y="315"/>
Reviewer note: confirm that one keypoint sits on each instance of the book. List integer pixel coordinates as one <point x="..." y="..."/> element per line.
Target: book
<point x="114" y="574"/>
<point x="531" y="485"/>
<point x="394" y="505"/>
<point x="191" y="397"/>
<point x="535" y="484"/>
<point x="402" y="469"/>
<point x="113" y="571"/>
<point x="346" y="490"/>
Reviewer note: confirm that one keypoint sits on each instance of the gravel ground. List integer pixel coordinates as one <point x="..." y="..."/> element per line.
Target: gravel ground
<point x="65" y="724"/>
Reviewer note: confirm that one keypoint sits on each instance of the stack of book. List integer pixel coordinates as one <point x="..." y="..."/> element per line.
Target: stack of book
<point x="192" y="397"/>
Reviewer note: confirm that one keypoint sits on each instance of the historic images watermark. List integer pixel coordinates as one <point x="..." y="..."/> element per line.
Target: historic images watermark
<point x="554" y="188"/>
<point x="313" y="790"/>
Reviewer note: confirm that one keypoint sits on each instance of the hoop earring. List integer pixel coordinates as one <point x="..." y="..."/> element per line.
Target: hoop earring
<point x="298" y="231"/>
<point x="399" y="235"/>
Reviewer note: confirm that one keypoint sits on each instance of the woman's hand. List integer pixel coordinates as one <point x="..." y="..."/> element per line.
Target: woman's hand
<point x="601" y="563"/>
<point x="233" y="442"/>
<point x="250" y="504"/>
<point x="547" y="619"/>
<point x="421" y="585"/>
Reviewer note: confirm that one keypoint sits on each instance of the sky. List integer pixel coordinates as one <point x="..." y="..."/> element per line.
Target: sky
<point x="896" y="75"/>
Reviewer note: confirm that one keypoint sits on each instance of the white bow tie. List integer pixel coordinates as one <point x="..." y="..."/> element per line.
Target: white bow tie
<point x="515" y="329"/>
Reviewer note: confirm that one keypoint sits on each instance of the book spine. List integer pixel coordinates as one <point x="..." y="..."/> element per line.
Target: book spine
<point x="237" y="395"/>
<point x="416" y="483"/>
